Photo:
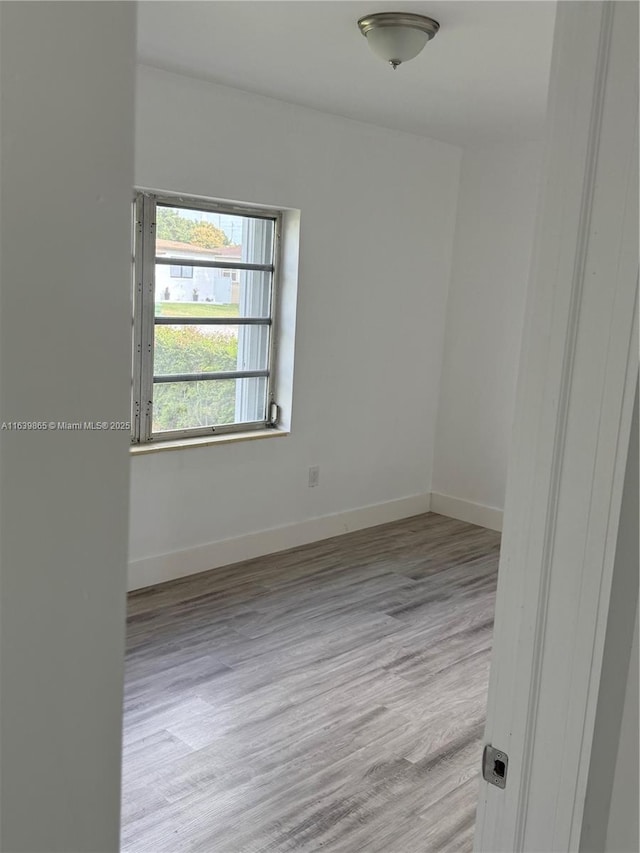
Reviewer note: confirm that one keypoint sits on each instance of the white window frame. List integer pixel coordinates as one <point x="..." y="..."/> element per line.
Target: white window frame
<point x="144" y="320"/>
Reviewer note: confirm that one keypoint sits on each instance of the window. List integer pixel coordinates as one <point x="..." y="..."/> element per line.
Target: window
<point x="203" y="350"/>
<point x="180" y="271"/>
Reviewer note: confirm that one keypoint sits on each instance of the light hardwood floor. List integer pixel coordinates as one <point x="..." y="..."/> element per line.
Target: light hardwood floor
<point x="331" y="697"/>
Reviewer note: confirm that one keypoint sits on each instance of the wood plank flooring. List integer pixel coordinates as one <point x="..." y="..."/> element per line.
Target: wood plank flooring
<point x="331" y="697"/>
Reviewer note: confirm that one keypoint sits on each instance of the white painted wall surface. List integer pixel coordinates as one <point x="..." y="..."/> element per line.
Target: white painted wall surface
<point x="485" y="310"/>
<point x="622" y="829"/>
<point x="378" y="210"/>
<point x="611" y="805"/>
<point x="67" y="111"/>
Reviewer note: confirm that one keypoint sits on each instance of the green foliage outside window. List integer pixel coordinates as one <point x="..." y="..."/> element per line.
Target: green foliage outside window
<point x="171" y="226"/>
<point x="181" y="405"/>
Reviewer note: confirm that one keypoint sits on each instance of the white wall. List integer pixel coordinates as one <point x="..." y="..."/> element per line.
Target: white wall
<point x="67" y="111"/>
<point x="611" y="806"/>
<point x="622" y="828"/>
<point x="485" y="310"/>
<point x="377" y="224"/>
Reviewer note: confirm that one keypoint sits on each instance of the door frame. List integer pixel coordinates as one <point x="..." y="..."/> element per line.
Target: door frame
<point x="578" y="373"/>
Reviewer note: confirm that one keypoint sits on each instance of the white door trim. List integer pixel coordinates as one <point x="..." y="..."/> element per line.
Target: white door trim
<point x="578" y="370"/>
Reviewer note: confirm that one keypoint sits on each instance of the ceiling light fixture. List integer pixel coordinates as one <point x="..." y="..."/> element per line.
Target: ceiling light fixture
<point x="397" y="36"/>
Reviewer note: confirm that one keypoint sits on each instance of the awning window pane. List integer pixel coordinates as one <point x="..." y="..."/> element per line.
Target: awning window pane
<point x="212" y="292"/>
<point x="209" y="349"/>
<point x="183" y="232"/>
<point x="193" y="405"/>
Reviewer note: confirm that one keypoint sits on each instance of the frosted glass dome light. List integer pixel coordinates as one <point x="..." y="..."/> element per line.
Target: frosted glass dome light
<point x="397" y="37"/>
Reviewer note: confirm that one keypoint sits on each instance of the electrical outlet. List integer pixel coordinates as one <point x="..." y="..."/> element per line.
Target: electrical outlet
<point x="314" y="476"/>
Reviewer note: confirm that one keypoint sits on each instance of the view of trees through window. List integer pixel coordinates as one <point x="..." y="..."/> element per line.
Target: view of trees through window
<point x="172" y="224"/>
<point x="192" y="348"/>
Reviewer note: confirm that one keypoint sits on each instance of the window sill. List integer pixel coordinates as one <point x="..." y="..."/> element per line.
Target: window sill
<point x="204" y="441"/>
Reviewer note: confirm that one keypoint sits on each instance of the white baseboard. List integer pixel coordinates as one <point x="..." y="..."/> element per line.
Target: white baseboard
<point x="485" y="516"/>
<point x="163" y="567"/>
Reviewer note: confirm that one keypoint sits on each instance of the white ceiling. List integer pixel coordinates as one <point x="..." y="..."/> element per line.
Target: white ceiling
<point x="482" y="79"/>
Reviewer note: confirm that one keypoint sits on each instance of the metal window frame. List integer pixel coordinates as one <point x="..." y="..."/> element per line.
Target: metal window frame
<point x="169" y="261"/>
<point x="144" y="320"/>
